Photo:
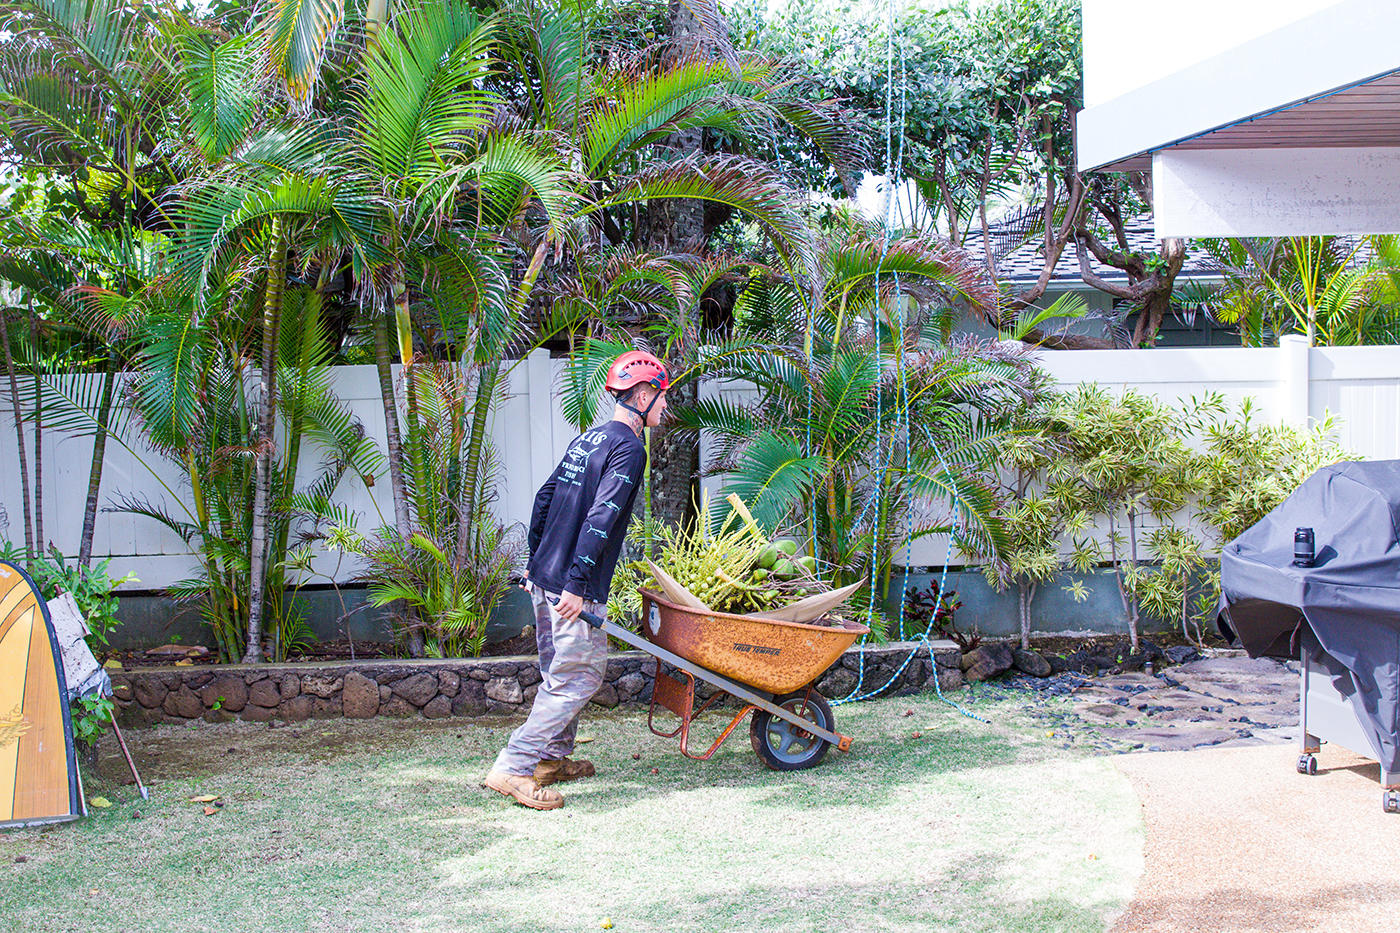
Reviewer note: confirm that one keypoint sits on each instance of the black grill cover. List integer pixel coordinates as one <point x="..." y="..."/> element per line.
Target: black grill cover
<point x="1350" y="600"/>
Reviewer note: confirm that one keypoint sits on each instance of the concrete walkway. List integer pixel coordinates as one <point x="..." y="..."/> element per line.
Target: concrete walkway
<point x="1237" y="840"/>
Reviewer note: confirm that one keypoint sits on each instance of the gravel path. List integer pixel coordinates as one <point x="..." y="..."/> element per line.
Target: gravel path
<point x="1237" y="840"/>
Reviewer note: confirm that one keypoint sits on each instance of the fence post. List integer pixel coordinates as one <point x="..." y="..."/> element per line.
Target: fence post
<point x="1296" y="379"/>
<point x="540" y="394"/>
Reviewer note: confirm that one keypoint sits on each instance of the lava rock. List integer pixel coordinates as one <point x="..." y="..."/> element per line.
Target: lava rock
<point x="295" y="709"/>
<point x="1028" y="662"/>
<point x="397" y="706"/>
<point x="258" y="714"/>
<point x="630" y="685"/>
<point x="987" y="660"/>
<point x="470" y="699"/>
<point x="1182" y="654"/>
<point x="449" y="683"/>
<point x="439" y="707"/>
<point x="150" y="692"/>
<point x="228" y="690"/>
<point x="359" y="696"/>
<point x="837" y="683"/>
<point x="418" y="689"/>
<point x="264" y="693"/>
<point x="504" y="690"/>
<point x="323" y="687"/>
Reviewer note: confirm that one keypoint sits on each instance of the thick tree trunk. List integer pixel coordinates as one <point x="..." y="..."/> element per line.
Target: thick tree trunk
<point x="39" y="541"/>
<point x="262" y="486"/>
<point x="19" y="439"/>
<point x="676" y="225"/>
<point x="99" y="451"/>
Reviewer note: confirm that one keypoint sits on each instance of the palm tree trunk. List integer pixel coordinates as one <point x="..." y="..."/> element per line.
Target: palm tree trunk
<point x="38" y="434"/>
<point x="402" y="522"/>
<point x="262" y="487"/>
<point x="99" y="450"/>
<point x="471" y="469"/>
<point x="383" y="364"/>
<point x="404" y="323"/>
<point x="19" y="439"/>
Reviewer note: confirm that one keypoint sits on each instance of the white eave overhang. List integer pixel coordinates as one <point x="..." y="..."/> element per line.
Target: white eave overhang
<point x="1329" y="80"/>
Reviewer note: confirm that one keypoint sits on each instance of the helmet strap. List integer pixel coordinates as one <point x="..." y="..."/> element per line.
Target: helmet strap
<point x="625" y="403"/>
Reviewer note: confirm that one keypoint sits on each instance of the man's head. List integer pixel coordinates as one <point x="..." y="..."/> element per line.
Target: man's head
<point x="639" y="382"/>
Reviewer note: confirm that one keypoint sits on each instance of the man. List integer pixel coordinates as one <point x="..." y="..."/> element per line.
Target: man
<point x="577" y="528"/>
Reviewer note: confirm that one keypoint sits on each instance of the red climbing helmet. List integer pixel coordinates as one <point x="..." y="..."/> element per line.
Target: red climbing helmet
<point x="637" y="367"/>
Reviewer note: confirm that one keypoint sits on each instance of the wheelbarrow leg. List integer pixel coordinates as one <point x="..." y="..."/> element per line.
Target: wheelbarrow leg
<point x="678" y="696"/>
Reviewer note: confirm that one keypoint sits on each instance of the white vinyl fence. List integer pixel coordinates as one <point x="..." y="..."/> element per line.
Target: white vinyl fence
<point x="1292" y="383"/>
<point x="528" y="431"/>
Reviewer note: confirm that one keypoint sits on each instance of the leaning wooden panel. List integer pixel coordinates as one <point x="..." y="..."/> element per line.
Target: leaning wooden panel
<point x="38" y="765"/>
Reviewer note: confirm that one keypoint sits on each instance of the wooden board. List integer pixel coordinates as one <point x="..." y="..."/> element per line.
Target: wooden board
<point x="38" y="765"/>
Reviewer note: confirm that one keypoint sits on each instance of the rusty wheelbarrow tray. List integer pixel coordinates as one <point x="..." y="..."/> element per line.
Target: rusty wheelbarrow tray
<point x="770" y="665"/>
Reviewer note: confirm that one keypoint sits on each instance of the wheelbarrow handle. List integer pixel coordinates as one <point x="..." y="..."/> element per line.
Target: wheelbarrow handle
<point x="593" y="620"/>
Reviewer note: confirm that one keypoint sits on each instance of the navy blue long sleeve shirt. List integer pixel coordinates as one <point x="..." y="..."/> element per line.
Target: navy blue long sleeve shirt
<point x="580" y="515"/>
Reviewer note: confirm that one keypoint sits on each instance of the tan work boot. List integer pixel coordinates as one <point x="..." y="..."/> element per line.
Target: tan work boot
<point x="563" y="769"/>
<point x="525" y="790"/>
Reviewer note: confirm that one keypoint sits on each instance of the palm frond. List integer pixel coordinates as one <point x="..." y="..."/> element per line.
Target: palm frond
<point x="224" y="94"/>
<point x="295" y="34"/>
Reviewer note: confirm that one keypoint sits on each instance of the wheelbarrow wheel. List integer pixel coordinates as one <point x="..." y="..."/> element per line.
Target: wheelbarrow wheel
<point x="785" y="747"/>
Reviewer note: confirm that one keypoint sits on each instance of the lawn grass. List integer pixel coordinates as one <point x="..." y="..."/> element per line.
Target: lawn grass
<point x="381" y="826"/>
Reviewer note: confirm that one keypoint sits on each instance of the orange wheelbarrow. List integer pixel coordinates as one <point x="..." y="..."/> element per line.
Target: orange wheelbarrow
<point x="770" y="666"/>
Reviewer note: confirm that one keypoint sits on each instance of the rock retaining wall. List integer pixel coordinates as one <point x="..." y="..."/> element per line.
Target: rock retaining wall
<point x="437" y="689"/>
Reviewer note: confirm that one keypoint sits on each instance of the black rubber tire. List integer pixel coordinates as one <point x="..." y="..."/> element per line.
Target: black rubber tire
<point x="1390" y="801"/>
<point x="782" y="746"/>
<point x="1307" y="764"/>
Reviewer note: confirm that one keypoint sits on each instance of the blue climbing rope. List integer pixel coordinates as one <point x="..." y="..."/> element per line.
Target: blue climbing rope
<point x="894" y="158"/>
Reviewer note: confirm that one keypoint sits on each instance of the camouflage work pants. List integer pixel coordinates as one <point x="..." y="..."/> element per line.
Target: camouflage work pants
<point x="573" y="658"/>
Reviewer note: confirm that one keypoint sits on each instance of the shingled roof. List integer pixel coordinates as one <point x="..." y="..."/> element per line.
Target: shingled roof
<point x="1023" y="262"/>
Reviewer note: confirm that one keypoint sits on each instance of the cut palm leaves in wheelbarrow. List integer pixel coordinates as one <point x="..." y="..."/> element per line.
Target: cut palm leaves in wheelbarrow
<point x="739" y="570"/>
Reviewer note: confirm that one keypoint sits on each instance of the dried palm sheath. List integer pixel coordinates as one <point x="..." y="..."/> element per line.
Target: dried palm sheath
<point x="38" y="764"/>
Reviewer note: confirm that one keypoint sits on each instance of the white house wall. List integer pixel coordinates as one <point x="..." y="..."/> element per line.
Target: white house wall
<point x="1276" y="192"/>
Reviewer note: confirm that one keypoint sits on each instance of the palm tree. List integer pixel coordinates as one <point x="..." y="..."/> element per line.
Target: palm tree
<point x="868" y="414"/>
<point x="1317" y="286"/>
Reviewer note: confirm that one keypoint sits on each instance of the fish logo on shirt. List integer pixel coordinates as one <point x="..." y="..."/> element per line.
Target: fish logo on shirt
<point x="618" y="474"/>
<point x="588" y="529"/>
<point x="613" y="505"/>
<point x="585" y="559"/>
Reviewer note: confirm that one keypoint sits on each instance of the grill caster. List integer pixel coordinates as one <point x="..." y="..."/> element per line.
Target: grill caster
<point x="1390" y="801"/>
<point x="1307" y="763"/>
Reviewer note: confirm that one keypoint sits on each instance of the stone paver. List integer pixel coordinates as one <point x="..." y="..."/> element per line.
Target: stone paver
<point x="1226" y="700"/>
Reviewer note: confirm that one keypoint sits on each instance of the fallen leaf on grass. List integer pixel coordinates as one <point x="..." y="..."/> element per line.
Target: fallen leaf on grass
<point x="100" y="802"/>
<point x="583" y="738"/>
<point x="204" y="798"/>
<point x="210" y="811"/>
<point x="186" y="662"/>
